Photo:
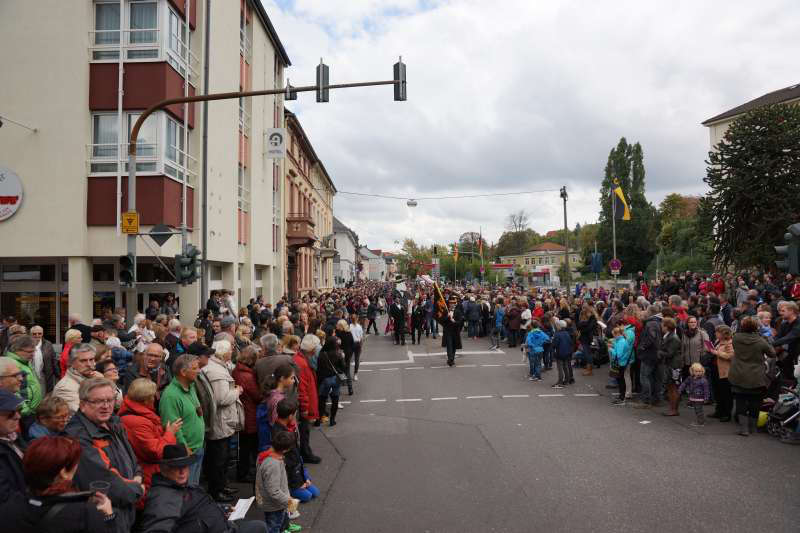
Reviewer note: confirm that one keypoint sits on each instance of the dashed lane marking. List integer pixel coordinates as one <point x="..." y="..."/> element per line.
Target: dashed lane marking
<point x="479" y="397"/>
<point x="414" y="368"/>
<point x="438" y="367"/>
<point x="587" y="395"/>
<point x="491" y="365"/>
<point x="516" y="396"/>
<point x="409" y="400"/>
<point x="516" y="364"/>
<point x="466" y="366"/>
<point x="550" y="395"/>
<point x="395" y="368"/>
<point x="445" y="398"/>
<point x="372" y="401"/>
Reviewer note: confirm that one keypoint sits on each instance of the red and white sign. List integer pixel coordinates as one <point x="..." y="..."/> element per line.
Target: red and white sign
<point x="10" y="193"/>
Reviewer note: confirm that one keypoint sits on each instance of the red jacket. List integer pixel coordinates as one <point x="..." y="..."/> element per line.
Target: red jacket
<point x="245" y="377"/>
<point x="146" y="435"/>
<point x="64" y="360"/>
<point x="718" y="286"/>
<point x="307" y="388"/>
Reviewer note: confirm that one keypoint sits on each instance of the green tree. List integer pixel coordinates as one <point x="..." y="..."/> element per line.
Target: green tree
<point x="754" y="177"/>
<point x="636" y="238"/>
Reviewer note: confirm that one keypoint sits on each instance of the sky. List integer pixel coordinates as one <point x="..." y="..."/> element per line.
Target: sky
<point x="520" y="95"/>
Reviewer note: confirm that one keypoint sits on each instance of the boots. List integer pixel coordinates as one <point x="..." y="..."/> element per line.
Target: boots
<point x="334" y="410"/>
<point x="587" y="371"/>
<point x="744" y="430"/>
<point x="751" y="424"/>
<point x="673" y="399"/>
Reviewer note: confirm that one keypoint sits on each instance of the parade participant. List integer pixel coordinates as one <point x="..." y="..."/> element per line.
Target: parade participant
<point x="452" y="323"/>
<point x="398" y="315"/>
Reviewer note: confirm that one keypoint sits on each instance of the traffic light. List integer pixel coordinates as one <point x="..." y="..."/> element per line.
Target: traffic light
<point x="323" y="80"/>
<point x="127" y="269"/>
<point x="790" y="252"/>
<point x="435" y="250"/>
<point x="186" y="266"/>
<point x="399" y="76"/>
<point x="290" y="93"/>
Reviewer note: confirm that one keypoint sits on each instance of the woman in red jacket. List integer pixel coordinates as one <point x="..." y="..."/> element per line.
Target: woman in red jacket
<point x="307" y="395"/>
<point x="71" y="338"/>
<point x="244" y="375"/>
<point x="145" y="433"/>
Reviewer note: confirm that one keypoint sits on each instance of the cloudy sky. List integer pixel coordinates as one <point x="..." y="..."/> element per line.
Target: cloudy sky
<point x="521" y="95"/>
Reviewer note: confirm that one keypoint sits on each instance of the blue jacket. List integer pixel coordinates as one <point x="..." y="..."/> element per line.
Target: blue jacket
<point x="621" y="351"/>
<point x="536" y="340"/>
<point x="499" y="314"/>
<point x="562" y="344"/>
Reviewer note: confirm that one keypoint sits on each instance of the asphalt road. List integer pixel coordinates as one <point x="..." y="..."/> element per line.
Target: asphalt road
<point x="426" y="448"/>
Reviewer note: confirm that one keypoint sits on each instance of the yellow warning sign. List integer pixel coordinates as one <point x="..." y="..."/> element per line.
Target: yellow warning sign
<point x="130" y="222"/>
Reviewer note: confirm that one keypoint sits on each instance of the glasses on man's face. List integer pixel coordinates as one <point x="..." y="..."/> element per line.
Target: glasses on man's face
<point x="18" y="375"/>
<point x="110" y="369"/>
<point x="101" y="401"/>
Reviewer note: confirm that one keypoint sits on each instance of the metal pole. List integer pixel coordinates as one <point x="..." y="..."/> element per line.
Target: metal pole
<point x="120" y="92"/>
<point x="566" y="240"/>
<point x="596" y="276"/>
<point x="185" y="155"/>
<point x="204" y="179"/>
<point x="614" y="227"/>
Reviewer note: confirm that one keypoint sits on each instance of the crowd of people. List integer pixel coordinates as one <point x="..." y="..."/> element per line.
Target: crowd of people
<point x="139" y="428"/>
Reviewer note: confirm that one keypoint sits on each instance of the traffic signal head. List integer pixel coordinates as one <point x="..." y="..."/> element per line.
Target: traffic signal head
<point x="323" y="80"/>
<point x="400" y="81"/>
<point x="790" y="252"/>
<point x="127" y="269"/>
<point x="290" y="93"/>
<point x="435" y="250"/>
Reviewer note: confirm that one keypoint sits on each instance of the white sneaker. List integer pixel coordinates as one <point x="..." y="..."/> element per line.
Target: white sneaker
<point x="341" y="406"/>
<point x="355" y="377"/>
<point x="294" y="515"/>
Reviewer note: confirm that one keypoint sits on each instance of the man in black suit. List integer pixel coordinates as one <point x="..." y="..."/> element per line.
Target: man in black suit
<point x="451" y="333"/>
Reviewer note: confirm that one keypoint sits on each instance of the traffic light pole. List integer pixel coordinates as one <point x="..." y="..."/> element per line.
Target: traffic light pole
<point x="131" y="292"/>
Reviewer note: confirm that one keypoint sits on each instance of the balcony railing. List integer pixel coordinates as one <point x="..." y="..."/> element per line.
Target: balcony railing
<point x="299" y="230"/>
<point x="102" y="160"/>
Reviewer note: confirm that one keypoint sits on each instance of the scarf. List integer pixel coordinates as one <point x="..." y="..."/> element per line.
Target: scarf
<point x="38" y="361"/>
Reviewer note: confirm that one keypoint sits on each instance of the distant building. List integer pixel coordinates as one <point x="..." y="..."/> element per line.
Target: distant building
<point x="391" y="265"/>
<point x="373" y="264"/>
<point x="345" y="262"/>
<point x="719" y="124"/>
<point x="542" y="262"/>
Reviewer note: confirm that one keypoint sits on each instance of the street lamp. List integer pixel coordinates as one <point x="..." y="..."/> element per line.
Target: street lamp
<point x="411" y="202"/>
<point x="567" y="271"/>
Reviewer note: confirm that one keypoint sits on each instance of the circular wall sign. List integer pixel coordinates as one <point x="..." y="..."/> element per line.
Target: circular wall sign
<point x="10" y="193"/>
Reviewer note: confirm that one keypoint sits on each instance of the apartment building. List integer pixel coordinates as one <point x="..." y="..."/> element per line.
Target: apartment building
<point x="88" y="70"/>
<point x="541" y="263"/>
<point x="345" y="263"/>
<point x="308" y="204"/>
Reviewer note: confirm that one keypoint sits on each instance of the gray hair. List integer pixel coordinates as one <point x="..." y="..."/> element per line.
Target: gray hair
<point x="21" y="341"/>
<point x="675" y="300"/>
<point x="182" y="363"/>
<point x="653" y="310"/>
<point x="91" y="384"/>
<point x="7" y="365"/>
<point x="223" y="336"/>
<point x="309" y="343"/>
<point x="221" y="347"/>
<point x="80" y="348"/>
<point x="174" y="325"/>
<point x="38" y="328"/>
<point x="270" y="343"/>
<point x="139" y="318"/>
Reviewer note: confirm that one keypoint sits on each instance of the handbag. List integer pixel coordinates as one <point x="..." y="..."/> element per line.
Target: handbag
<point x="614" y="369"/>
<point x="341" y="377"/>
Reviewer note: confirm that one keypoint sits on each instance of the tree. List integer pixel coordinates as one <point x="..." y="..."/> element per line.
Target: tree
<point x="517" y="221"/>
<point x="636" y="238"/>
<point x="754" y="177"/>
<point x="516" y="242"/>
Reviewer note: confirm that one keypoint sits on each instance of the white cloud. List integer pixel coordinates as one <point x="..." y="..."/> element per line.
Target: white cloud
<point x="519" y="95"/>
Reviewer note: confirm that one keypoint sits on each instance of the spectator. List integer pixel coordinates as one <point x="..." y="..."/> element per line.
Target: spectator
<point x="187" y="338"/>
<point x="346" y="343"/>
<point x="121" y="357"/>
<point x="11" y="376"/>
<point x="652" y="367"/>
<point x="747" y="378"/>
<point x="272" y="488"/>
<point x="174" y="505"/>
<point x="49" y="506"/>
<point x="669" y="352"/>
<point x="270" y="360"/>
<point x="300" y="485"/>
<point x="51" y="418"/>
<point x="307" y="395"/>
<point x="71" y="338"/>
<point x="330" y="366"/>
<point x="151" y="366"/>
<point x="724" y="354"/>
<point x="107" y="453"/>
<point x="180" y="402"/>
<point x="225" y="421"/>
<point x="21" y="349"/>
<point x="563" y="348"/>
<point x="99" y="335"/>
<point x="245" y="377"/>
<point x="153" y="310"/>
<point x="12" y="479"/>
<point x="45" y="361"/>
<point x="109" y="370"/>
<point x="145" y="432"/>
<point x="76" y="322"/>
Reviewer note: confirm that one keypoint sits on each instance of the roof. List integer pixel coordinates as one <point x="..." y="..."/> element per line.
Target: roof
<point x="548" y="247"/>
<point x="780" y="96"/>
<point x="273" y="35"/>
<point x="339" y="227"/>
<point x="367" y="253"/>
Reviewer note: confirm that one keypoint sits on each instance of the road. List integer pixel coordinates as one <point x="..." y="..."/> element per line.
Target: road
<point x="425" y="448"/>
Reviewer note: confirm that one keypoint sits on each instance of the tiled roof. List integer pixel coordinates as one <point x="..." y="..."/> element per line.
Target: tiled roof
<point x="775" y="97"/>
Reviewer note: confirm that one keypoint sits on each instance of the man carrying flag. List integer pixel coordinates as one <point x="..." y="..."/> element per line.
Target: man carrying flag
<point x="451" y="317"/>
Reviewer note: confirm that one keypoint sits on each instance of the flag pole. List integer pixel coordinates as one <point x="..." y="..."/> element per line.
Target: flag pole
<point x="614" y="226"/>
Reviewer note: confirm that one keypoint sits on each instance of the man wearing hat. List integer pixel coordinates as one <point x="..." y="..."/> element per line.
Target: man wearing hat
<point x="174" y="504"/>
<point x="452" y="323"/>
<point x="12" y="478"/>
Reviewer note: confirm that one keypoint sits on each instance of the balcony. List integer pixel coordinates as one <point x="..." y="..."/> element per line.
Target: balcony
<point x="299" y="230"/>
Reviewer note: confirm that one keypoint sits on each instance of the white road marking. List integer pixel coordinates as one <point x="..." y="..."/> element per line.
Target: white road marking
<point x="372" y="401"/>
<point x="445" y="398"/>
<point x="479" y="397"/>
<point x="409" y="400"/>
<point x="491" y="365"/>
<point x="395" y="368"/>
<point x="585" y="395"/>
<point x="550" y="395"/>
<point x="438" y="367"/>
<point x="516" y="396"/>
<point x="414" y="368"/>
<point x="466" y="366"/>
<point x="644" y="422"/>
<point x="517" y="364"/>
<point x="468" y="352"/>
<point x="345" y="403"/>
<point x="365" y="370"/>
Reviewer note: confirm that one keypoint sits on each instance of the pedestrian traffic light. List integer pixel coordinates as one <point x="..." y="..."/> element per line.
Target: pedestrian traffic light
<point x="127" y="269"/>
<point x="790" y="252"/>
<point x="323" y="80"/>
<point x="400" y="81"/>
<point x="186" y="266"/>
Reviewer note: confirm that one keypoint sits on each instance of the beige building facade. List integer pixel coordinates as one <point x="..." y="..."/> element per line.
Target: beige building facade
<point x="542" y="262"/>
<point x="61" y="248"/>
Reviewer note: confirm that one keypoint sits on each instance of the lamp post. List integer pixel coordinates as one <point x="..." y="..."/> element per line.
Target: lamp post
<point x="566" y="239"/>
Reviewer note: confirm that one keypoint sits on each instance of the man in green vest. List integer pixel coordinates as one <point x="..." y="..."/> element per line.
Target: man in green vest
<point x="21" y="350"/>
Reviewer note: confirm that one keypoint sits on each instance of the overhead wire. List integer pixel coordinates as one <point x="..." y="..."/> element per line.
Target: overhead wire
<point x="485" y="195"/>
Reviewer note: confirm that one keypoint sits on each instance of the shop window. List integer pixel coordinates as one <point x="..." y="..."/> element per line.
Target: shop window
<point x="103" y="272"/>
<point x="32" y="309"/>
<point x="29" y="272"/>
<point x="215" y="273"/>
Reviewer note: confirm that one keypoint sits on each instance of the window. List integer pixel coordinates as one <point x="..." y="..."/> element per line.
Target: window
<point x="106" y="26"/>
<point x="215" y="273"/>
<point x="143" y="21"/>
<point x="104" y="142"/>
<point x="102" y="272"/>
<point x="177" y="43"/>
<point x="174" y="153"/>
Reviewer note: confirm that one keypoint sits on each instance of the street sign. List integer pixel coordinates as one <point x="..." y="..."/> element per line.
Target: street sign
<point x="275" y="143"/>
<point x="615" y="265"/>
<point x="156" y="232"/>
<point x="130" y="223"/>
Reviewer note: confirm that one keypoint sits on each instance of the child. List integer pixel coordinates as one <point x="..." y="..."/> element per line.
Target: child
<point x="300" y="485"/>
<point x="619" y="351"/>
<point x="562" y="349"/>
<point x="534" y="344"/>
<point x="272" y="488"/>
<point x="697" y="387"/>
